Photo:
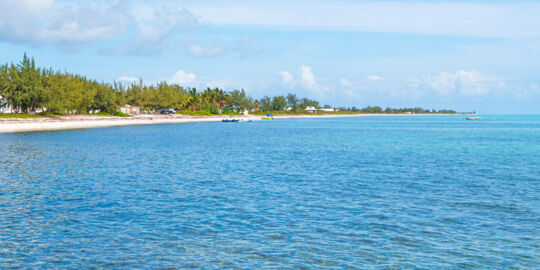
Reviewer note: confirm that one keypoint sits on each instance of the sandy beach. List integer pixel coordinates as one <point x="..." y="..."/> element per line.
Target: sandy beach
<point x="87" y="121"/>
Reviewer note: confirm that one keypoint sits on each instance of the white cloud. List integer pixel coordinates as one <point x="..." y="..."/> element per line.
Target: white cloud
<point x="469" y="83"/>
<point x="181" y="77"/>
<point x="127" y="79"/>
<point x="156" y="28"/>
<point x="307" y="78"/>
<point x="163" y="21"/>
<point x="344" y="82"/>
<point x="205" y="51"/>
<point x="68" y="25"/>
<point x="374" y="78"/>
<point x="286" y="77"/>
<point x="306" y="82"/>
<point x="73" y="25"/>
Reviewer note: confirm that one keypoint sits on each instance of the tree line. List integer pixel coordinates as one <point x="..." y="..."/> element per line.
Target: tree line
<point x="30" y="89"/>
<point x="388" y="110"/>
<point x="26" y="88"/>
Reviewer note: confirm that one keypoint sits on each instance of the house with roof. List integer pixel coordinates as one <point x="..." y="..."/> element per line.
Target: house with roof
<point x="311" y="109"/>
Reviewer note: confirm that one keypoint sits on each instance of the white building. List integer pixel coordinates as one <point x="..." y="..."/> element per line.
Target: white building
<point x="131" y="110"/>
<point x="328" y="110"/>
<point x="4" y="108"/>
<point x="311" y="109"/>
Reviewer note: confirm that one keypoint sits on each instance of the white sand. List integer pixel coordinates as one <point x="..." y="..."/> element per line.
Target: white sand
<point x="82" y="122"/>
<point x="85" y="121"/>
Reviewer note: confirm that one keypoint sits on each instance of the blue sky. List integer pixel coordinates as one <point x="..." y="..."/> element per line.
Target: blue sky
<point x="464" y="55"/>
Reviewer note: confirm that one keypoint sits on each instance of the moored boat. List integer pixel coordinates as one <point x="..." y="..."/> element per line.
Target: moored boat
<point x="230" y="120"/>
<point x="473" y="118"/>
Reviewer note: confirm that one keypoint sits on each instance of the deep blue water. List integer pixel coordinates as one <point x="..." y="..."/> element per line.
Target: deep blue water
<point x="365" y="192"/>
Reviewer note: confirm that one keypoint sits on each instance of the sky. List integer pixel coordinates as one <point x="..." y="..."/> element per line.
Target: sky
<point x="481" y="56"/>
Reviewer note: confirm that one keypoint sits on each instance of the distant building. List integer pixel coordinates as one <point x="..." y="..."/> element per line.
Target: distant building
<point x="4" y="107"/>
<point x="311" y="109"/>
<point x="328" y="110"/>
<point x="131" y="110"/>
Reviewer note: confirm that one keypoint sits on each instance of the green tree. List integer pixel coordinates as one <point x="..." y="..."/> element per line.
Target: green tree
<point x="266" y="104"/>
<point x="279" y="103"/>
<point x="293" y="102"/>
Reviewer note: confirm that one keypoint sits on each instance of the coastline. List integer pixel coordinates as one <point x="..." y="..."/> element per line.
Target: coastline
<point x="87" y="121"/>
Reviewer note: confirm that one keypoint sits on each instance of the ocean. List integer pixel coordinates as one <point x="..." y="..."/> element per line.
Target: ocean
<point x="375" y="192"/>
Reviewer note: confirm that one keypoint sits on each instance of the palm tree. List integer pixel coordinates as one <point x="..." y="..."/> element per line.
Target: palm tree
<point x="195" y="99"/>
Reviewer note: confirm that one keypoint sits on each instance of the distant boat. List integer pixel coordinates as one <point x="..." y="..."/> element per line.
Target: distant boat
<point x="473" y="118"/>
<point x="269" y="116"/>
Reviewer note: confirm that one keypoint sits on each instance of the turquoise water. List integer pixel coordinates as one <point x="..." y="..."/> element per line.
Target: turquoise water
<point x="365" y="192"/>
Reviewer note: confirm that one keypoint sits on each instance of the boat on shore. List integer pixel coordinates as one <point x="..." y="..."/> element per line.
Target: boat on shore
<point x="235" y="120"/>
<point x="473" y="118"/>
<point x="268" y="116"/>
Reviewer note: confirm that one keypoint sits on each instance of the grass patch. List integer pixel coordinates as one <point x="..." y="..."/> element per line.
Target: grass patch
<point x="231" y="113"/>
<point x="116" y="114"/>
<point x="19" y="116"/>
<point x="51" y="114"/>
<point x="195" y="113"/>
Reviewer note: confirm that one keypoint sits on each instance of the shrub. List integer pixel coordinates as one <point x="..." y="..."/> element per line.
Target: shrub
<point x="121" y="114"/>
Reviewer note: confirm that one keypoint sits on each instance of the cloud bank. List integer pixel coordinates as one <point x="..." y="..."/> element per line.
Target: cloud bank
<point x="468" y="83"/>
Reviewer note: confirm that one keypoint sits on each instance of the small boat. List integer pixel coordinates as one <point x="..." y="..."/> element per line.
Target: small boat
<point x="268" y="116"/>
<point x="230" y="120"/>
<point x="473" y="118"/>
<point x="244" y="120"/>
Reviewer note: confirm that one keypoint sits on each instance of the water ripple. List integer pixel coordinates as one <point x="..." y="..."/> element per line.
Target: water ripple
<point x="372" y="192"/>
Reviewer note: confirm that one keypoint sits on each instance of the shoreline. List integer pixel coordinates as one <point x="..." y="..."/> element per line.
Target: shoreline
<point x="72" y="122"/>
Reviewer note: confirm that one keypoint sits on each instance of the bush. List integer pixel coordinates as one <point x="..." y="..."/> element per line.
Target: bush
<point x="121" y="114"/>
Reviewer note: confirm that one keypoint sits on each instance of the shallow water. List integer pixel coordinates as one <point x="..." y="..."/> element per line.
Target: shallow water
<point x="358" y="192"/>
